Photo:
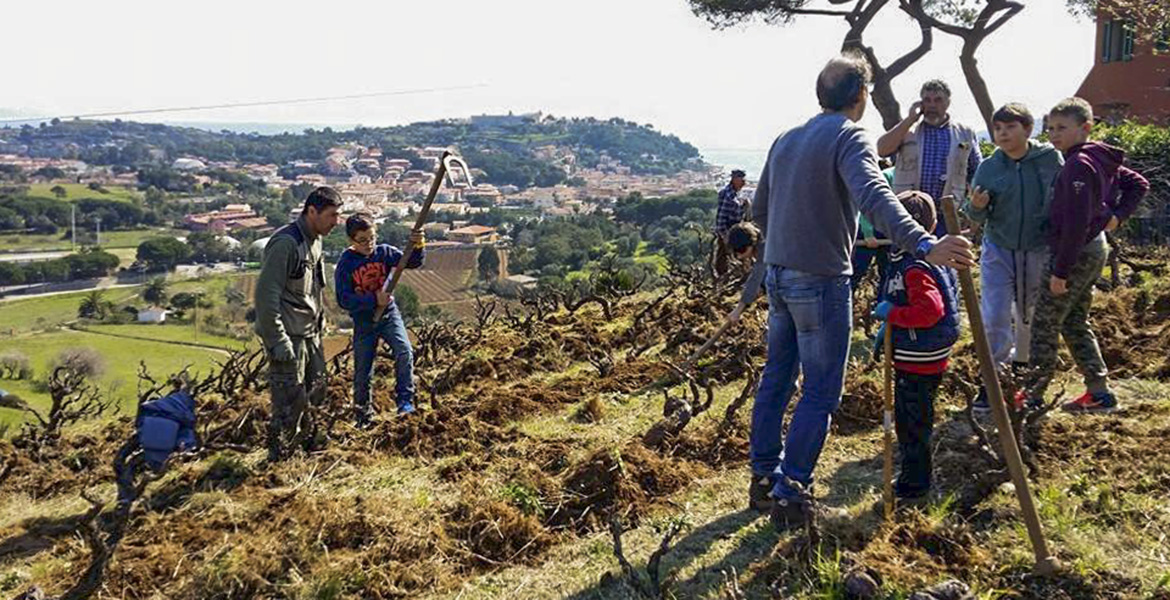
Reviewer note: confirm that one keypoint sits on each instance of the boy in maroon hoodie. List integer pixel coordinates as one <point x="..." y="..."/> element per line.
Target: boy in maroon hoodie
<point x="1093" y="194"/>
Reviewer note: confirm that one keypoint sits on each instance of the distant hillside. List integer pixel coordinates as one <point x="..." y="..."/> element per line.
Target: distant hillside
<point x="511" y="149"/>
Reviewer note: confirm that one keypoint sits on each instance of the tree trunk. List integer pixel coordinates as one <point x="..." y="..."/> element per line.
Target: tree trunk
<point x="975" y="80"/>
<point x="886" y="103"/>
<point x="883" y="93"/>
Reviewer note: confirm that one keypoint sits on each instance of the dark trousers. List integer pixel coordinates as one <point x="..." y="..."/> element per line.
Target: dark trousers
<point x="914" y="423"/>
<point x="294" y="385"/>
<point x="863" y="258"/>
<point x="722" y="261"/>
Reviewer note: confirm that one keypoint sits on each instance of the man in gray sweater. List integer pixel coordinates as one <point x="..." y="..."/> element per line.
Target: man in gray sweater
<point x="817" y="177"/>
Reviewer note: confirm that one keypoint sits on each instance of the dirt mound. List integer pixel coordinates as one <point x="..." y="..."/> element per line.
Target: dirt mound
<point x="441" y="432"/>
<point x="1126" y="450"/>
<point x="1133" y="330"/>
<point x="862" y="400"/>
<point x="628" y="482"/>
<point x="494" y="532"/>
<point x="75" y="462"/>
<point x="371" y="549"/>
<point x="712" y="445"/>
<point x="1067" y="585"/>
<point x="501" y="405"/>
<point x="916" y="551"/>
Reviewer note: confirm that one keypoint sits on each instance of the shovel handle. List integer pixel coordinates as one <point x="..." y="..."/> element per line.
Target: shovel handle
<point x="888" y="422"/>
<point x="1045" y="562"/>
<point x="446" y="161"/>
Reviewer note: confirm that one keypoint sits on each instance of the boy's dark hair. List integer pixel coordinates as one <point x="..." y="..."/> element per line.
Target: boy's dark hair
<point x="1075" y="108"/>
<point x="357" y="223"/>
<point x="322" y="198"/>
<point x="742" y="236"/>
<point x="936" y="85"/>
<point x="841" y="81"/>
<point x="1014" y="112"/>
<point x="920" y="206"/>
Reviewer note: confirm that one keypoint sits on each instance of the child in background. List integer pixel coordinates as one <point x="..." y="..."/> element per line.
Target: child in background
<point x="1010" y="198"/>
<point x="1093" y="194"/>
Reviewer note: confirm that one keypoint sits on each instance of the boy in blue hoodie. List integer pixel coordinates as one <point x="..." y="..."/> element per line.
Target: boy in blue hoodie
<point x="361" y="272"/>
<point x="1010" y="198"/>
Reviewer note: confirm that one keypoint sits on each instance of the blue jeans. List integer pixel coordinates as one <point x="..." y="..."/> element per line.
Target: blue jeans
<point x="366" y="336"/>
<point x="809" y="321"/>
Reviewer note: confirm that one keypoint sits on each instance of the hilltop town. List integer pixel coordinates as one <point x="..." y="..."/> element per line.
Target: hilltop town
<point x="572" y="177"/>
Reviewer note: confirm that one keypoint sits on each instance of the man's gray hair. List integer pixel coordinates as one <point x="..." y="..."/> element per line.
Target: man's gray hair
<point x="936" y="85"/>
<point x="841" y="81"/>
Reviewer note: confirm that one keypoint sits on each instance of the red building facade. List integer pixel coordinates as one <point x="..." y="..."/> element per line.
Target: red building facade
<point x="1129" y="79"/>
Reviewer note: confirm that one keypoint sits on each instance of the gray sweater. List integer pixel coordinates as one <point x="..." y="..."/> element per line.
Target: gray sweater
<point x="817" y="177"/>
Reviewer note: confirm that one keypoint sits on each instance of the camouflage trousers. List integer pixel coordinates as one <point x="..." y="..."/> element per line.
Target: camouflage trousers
<point x="295" y="385"/>
<point x="1067" y="315"/>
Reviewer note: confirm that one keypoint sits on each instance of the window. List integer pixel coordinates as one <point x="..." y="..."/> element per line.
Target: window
<point x="1117" y="41"/>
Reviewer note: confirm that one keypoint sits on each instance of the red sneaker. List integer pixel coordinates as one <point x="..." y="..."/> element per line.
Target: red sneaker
<point x="1091" y="403"/>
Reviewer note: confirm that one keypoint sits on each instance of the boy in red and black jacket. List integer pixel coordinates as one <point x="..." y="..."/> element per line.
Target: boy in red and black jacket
<point x="1093" y="194"/>
<point x="919" y="301"/>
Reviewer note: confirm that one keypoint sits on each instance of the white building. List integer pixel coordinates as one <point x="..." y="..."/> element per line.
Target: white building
<point x="153" y="314"/>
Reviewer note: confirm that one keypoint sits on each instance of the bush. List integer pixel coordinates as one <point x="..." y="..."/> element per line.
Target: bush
<point x="15" y="365"/>
<point x="85" y="361"/>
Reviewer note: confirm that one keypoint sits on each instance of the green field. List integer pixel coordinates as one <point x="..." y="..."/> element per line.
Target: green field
<point x="36" y="314"/>
<point x="121" y="356"/>
<point x="32" y="314"/>
<point x="30" y="242"/>
<point x="169" y="332"/>
<point x="77" y="191"/>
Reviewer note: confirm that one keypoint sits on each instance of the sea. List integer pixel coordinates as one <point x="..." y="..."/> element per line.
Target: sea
<point x="750" y="160"/>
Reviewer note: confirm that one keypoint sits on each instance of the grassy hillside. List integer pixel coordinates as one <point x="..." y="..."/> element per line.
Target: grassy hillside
<point x="536" y="433"/>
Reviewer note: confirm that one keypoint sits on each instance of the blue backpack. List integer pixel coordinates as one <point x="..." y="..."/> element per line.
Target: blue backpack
<point x="165" y="425"/>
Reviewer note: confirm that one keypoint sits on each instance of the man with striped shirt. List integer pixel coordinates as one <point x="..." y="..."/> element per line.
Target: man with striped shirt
<point x="925" y="150"/>
<point x="728" y="214"/>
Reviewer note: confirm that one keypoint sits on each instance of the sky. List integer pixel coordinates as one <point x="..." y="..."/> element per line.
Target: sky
<point x="649" y="61"/>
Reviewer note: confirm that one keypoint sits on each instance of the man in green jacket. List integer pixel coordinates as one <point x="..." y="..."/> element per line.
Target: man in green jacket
<point x="1011" y="198"/>
<point x="290" y="317"/>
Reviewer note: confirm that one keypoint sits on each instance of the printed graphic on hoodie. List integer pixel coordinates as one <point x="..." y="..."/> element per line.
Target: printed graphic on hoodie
<point x="368" y="278"/>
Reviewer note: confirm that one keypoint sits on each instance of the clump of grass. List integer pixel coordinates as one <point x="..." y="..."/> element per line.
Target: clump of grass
<point x="590" y="411"/>
<point x="524" y="498"/>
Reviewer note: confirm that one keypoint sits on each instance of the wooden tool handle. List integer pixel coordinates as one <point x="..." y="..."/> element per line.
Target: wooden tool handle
<point x="888" y="422"/>
<point x="1045" y="562"/>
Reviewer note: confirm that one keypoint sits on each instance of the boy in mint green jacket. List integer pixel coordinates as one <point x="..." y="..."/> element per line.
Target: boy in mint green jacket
<point x="1011" y="195"/>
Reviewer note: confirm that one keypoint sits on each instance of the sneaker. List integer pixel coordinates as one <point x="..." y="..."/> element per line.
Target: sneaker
<point x="760" y="493"/>
<point x="405" y="408"/>
<point x="980" y="405"/>
<point x="787" y="514"/>
<point x="1100" y="402"/>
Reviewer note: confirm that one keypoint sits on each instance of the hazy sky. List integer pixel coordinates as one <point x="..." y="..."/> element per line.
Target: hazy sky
<point x="651" y="61"/>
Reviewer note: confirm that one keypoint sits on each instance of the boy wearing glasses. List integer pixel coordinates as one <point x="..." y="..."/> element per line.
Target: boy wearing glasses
<point x="360" y="275"/>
